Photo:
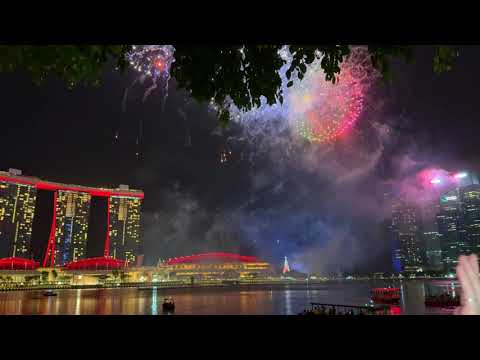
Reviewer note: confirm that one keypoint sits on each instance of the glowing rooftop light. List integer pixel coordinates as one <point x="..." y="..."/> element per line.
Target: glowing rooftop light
<point x="460" y="175"/>
<point x="435" y="181"/>
<point x="449" y="198"/>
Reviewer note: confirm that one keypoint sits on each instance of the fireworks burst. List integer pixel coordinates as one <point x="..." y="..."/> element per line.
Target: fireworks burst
<point x="152" y="62"/>
<point x="314" y="109"/>
<point x="322" y="111"/>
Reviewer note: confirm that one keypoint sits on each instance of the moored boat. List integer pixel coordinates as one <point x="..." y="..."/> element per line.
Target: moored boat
<point x="388" y="295"/>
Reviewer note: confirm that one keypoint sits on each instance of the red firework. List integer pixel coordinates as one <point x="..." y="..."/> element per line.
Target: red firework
<point x="324" y="111"/>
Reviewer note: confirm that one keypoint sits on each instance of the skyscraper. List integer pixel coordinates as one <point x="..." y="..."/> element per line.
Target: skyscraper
<point x="470" y="198"/>
<point x="388" y="231"/>
<point x="67" y="241"/>
<point x="71" y="226"/>
<point x="17" y="209"/>
<point x="124" y="228"/>
<point x="431" y="236"/>
<point x="405" y="228"/>
<point x="393" y="245"/>
<point x="452" y="230"/>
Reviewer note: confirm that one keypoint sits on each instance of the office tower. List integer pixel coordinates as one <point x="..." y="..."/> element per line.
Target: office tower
<point x="387" y="230"/>
<point x="470" y="199"/>
<point x="431" y="236"/>
<point x="124" y="228"/>
<point x="71" y="226"/>
<point x="405" y="228"/>
<point x="452" y="230"/>
<point x="17" y="209"/>
<point x="67" y="241"/>
<point x="391" y="240"/>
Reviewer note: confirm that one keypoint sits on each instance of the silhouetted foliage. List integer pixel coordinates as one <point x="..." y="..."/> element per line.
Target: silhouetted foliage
<point x="243" y="73"/>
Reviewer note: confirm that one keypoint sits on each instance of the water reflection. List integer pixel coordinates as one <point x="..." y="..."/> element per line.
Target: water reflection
<point x="77" y="303"/>
<point x="414" y="298"/>
<point x="288" y="303"/>
<point x="207" y="301"/>
<point x="243" y="301"/>
<point x="154" y="301"/>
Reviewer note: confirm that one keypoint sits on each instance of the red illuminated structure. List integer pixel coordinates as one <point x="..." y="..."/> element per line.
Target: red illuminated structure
<point x="386" y="295"/>
<point x="52" y="186"/>
<point x="15" y="263"/>
<point x="51" y="239"/>
<point x="49" y="257"/>
<point x="98" y="263"/>
<point x="106" y="252"/>
<point x="395" y="310"/>
<point x="215" y="256"/>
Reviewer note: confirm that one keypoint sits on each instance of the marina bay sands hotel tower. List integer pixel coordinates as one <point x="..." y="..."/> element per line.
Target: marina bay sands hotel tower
<point x="68" y="237"/>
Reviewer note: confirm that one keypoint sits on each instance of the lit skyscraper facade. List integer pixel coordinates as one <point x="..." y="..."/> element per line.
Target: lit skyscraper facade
<point x="17" y="209"/>
<point x="68" y="237"/>
<point x="71" y="226"/>
<point x="124" y="227"/>
<point x="388" y="231"/>
<point x="452" y="230"/>
<point x="448" y="225"/>
<point x="470" y="197"/>
<point x="431" y="236"/>
<point x="405" y="228"/>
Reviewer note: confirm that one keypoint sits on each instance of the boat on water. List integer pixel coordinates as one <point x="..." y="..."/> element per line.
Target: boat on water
<point x="49" y="293"/>
<point x="388" y="295"/>
<point x="168" y="306"/>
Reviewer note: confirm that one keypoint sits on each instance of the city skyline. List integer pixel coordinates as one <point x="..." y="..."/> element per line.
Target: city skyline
<point x="319" y="208"/>
<point x="430" y="235"/>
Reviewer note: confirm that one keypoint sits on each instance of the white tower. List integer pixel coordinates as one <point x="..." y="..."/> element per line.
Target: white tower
<point x="286" y="268"/>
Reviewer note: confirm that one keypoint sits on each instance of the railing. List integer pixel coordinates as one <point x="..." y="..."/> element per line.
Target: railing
<point x="331" y="309"/>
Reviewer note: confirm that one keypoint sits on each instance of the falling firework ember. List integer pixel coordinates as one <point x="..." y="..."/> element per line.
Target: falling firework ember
<point x="153" y="63"/>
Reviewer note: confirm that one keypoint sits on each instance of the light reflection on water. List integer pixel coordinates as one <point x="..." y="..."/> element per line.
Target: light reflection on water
<point x="265" y="300"/>
<point x="77" y="302"/>
<point x="288" y="302"/>
<point x="154" y="301"/>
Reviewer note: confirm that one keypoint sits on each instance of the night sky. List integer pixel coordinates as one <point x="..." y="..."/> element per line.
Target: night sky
<point x="193" y="203"/>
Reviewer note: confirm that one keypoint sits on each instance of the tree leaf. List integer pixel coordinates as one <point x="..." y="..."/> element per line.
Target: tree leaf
<point x="224" y="118"/>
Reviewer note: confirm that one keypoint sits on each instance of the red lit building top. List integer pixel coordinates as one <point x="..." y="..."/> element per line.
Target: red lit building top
<point x="53" y="186"/>
<point x="210" y="257"/>
<point x="97" y="263"/>
<point x="15" y="263"/>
